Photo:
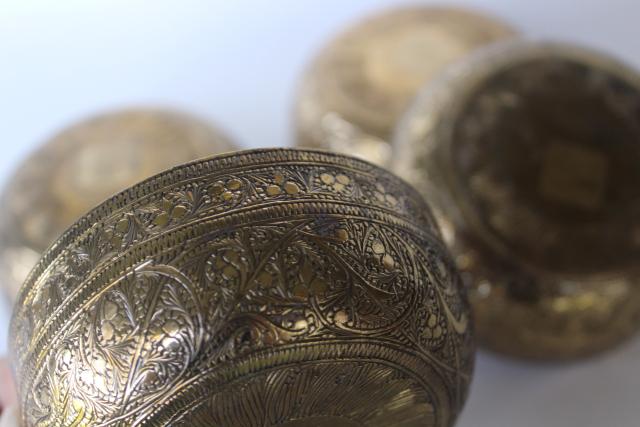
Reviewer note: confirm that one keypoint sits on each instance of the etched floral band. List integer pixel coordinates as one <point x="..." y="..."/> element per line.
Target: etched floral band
<point x="83" y="165"/>
<point x="262" y="288"/>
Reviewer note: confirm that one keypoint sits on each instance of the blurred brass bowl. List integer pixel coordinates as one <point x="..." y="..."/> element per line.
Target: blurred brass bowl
<point x="530" y="155"/>
<point x="359" y="85"/>
<point x="262" y="288"/>
<point x="83" y="166"/>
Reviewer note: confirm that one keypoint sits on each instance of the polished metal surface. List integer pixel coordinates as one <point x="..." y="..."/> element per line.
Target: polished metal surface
<point x="83" y="166"/>
<point x="262" y="288"/>
<point x="358" y="86"/>
<point x="529" y="154"/>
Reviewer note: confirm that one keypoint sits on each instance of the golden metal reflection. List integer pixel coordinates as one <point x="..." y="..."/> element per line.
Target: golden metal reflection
<point x="253" y="289"/>
<point x="529" y="155"/>
<point x="356" y="89"/>
<point x="83" y="166"/>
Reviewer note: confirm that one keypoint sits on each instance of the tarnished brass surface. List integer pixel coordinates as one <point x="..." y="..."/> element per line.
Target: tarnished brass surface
<point x="530" y="155"/>
<point x="83" y="166"/>
<point x="357" y="88"/>
<point x="262" y="288"/>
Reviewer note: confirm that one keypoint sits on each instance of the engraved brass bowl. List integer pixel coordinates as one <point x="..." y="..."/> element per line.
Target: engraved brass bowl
<point x="262" y="288"/>
<point x="358" y="86"/>
<point x="529" y="154"/>
<point x="84" y="165"/>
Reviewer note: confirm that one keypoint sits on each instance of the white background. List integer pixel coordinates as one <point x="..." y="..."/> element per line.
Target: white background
<point x="236" y="62"/>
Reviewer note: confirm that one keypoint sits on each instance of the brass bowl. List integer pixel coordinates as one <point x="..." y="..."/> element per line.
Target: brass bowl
<point x="262" y="288"/>
<point x="359" y="85"/>
<point x="83" y="166"/>
<point x="529" y="155"/>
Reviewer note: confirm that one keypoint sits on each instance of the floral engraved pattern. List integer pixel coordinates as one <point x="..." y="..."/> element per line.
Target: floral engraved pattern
<point x="217" y="287"/>
<point x="142" y="335"/>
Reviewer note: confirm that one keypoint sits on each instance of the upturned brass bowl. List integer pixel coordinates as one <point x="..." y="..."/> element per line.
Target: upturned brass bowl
<point x="530" y="155"/>
<point x="262" y="288"/>
<point x="84" y="165"/>
<point x="358" y="86"/>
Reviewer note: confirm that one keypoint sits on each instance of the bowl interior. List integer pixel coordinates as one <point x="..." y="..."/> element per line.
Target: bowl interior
<point x="548" y="153"/>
